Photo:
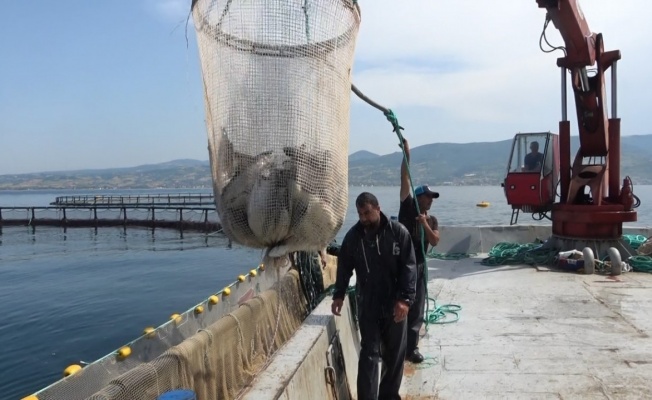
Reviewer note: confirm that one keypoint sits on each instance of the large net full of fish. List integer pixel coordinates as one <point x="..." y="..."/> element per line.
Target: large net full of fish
<point x="277" y="82"/>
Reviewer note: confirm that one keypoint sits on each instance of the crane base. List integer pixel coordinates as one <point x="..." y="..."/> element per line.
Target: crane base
<point x="591" y="222"/>
<point x="600" y="247"/>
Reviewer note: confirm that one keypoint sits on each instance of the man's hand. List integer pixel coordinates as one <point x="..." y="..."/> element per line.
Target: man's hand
<point x="405" y="147"/>
<point x="401" y="309"/>
<point x="422" y="219"/>
<point x="336" y="307"/>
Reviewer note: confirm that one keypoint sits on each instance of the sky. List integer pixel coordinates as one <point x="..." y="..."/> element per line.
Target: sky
<point x="103" y="84"/>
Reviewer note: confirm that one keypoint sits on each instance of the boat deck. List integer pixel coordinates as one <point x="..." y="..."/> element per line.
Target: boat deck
<point x="535" y="333"/>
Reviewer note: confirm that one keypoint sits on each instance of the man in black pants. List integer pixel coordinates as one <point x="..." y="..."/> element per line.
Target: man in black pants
<point x="382" y="255"/>
<point x="415" y="222"/>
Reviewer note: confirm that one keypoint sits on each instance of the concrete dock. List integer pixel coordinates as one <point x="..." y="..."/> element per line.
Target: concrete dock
<point x="533" y="333"/>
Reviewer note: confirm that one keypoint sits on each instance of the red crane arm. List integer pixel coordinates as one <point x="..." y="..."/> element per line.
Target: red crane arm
<point x="569" y="20"/>
<point x="584" y="49"/>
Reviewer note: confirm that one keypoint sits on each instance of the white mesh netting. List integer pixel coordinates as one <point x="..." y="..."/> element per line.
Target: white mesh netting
<point x="277" y="81"/>
<point x="217" y="353"/>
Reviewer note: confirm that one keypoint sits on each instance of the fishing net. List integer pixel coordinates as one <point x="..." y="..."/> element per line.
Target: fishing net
<point x="277" y="81"/>
<point x="217" y="352"/>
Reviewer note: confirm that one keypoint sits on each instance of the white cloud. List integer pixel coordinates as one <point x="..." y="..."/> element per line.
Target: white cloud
<point x="171" y="10"/>
<point x="477" y="65"/>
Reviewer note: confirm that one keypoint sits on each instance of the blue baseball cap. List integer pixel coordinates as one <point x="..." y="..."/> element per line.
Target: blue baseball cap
<point x="424" y="189"/>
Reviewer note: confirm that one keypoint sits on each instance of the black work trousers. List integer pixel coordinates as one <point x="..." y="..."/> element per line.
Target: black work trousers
<point x="381" y="339"/>
<point x="416" y="314"/>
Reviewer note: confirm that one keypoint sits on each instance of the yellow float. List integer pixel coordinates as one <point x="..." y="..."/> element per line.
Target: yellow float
<point x="483" y="204"/>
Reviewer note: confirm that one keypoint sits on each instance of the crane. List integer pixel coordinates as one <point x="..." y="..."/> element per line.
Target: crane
<point x="592" y="205"/>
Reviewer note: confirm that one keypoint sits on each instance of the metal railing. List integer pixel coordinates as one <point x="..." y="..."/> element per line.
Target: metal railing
<point x="113" y="201"/>
<point x="151" y="216"/>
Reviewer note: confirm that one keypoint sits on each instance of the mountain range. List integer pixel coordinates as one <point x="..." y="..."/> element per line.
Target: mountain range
<point x="483" y="163"/>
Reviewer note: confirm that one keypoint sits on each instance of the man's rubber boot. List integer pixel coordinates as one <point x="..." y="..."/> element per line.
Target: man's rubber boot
<point x="415" y="357"/>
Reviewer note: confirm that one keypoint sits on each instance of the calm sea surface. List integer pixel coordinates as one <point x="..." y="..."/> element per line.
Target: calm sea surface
<point x="78" y="294"/>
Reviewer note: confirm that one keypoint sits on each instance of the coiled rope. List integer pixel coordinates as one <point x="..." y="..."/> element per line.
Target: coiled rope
<point x="505" y="253"/>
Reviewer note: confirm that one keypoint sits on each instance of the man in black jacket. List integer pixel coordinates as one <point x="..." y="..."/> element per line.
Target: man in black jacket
<point x="382" y="255"/>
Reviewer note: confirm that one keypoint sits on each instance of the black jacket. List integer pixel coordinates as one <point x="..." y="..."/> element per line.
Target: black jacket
<point x="378" y="286"/>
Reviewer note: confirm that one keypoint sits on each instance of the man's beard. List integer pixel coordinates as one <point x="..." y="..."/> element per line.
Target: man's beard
<point x="370" y="224"/>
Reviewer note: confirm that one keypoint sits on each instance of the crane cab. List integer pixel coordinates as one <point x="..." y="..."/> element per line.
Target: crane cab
<point x="532" y="174"/>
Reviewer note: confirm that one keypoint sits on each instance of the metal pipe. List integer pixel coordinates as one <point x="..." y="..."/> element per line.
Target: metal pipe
<point x="564" y="116"/>
<point x="614" y="91"/>
<point x="368" y="100"/>
<point x="584" y="80"/>
<point x="564" y="161"/>
<point x="613" y="158"/>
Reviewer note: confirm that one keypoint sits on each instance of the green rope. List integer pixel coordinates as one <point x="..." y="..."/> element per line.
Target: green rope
<point x="431" y="316"/>
<point x="434" y="315"/>
<point x="505" y="253"/>
<point x="439" y="315"/>
<point x="427" y="362"/>
<point x="634" y="241"/>
<point x="432" y="254"/>
<point x="305" y="12"/>
<point x="640" y="263"/>
<point x="309" y="267"/>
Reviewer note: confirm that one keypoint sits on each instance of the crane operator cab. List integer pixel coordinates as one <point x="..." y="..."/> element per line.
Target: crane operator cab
<point x="532" y="174"/>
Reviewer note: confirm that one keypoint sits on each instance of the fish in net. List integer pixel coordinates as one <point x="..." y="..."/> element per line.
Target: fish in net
<point x="277" y="80"/>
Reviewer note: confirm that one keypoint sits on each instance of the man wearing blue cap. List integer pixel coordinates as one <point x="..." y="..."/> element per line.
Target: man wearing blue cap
<point x="413" y="221"/>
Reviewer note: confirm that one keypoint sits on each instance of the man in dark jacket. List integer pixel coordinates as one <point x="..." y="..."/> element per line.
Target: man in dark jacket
<point x="382" y="255"/>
